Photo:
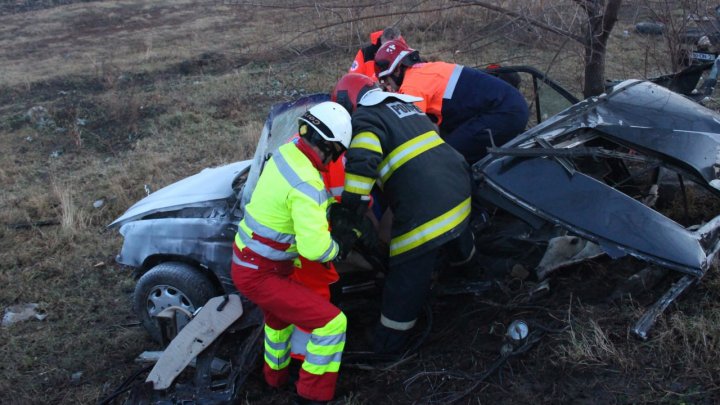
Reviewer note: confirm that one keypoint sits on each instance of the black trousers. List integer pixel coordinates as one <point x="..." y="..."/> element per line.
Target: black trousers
<point x="407" y="286"/>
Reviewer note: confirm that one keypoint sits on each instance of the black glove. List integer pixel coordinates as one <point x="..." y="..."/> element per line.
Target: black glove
<point x="368" y="238"/>
<point x="343" y="228"/>
<point x="345" y="240"/>
<point x="356" y="204"/>
<point x="341" y="218"/>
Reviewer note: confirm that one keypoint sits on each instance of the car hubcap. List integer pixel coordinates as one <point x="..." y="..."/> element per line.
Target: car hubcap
<point x="165" y="296"/>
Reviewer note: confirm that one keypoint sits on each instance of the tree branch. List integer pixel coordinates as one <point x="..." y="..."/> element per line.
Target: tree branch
<point x="300" y="6"/>
<point x="532" y="21"/>
<point x="369" y="17"/>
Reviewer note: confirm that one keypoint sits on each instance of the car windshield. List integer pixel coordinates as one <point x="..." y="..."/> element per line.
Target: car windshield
<point x="280" y="127"/>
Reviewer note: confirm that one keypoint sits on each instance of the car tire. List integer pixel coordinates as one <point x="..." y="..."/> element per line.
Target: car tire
<point x="170" y="284"/>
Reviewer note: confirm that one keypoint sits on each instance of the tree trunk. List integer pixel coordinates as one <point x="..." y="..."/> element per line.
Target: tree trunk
<point x="602" y="15"/>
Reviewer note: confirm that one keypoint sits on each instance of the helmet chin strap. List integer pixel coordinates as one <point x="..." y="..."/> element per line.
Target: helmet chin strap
<point x="307" y="149"/>
<point x="398" y="75"/>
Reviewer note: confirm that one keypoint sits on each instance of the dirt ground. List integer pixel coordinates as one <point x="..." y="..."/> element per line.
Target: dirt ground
<point x="103" y="100"/>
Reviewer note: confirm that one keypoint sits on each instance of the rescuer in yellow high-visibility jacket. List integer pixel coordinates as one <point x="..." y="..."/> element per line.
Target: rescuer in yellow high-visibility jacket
<point x="286" y="218"/>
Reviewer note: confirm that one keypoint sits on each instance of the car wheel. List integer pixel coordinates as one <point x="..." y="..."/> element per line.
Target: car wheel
<point x="170" y="284"/>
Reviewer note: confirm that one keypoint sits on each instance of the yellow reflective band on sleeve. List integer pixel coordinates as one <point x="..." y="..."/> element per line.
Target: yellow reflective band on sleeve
<point x="330" y="253"/>
<point x="358" y="184"/>
<point x="366" y="140"/>
<point x="431" y="229"/>
<point x="405" y="152"/>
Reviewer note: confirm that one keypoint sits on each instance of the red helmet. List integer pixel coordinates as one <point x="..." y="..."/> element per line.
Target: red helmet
<point x="391" y="54"/>
<point x="350" y="89"/>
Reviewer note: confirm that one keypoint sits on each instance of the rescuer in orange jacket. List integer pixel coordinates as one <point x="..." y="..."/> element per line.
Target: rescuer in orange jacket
<point x="285" y="218"/>
<point x="364" y="62"/>
<point x="473" y="109"/>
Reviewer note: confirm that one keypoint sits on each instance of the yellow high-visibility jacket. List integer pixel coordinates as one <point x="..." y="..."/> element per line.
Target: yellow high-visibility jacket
<point x="287" y="212"/>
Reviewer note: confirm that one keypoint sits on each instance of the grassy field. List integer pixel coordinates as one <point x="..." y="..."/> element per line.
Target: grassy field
<point x="128" y="94"/>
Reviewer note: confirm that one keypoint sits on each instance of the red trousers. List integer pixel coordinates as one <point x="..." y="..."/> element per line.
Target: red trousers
<point x="315" y="276"/>
<point x="285" y="302"/>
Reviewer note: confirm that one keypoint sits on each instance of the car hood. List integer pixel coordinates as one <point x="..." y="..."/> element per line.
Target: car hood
<point x="213" y="185"/>
<point x="647" y="117"/>
<point x="643" y="117"/>
<point x="200" y="190"/>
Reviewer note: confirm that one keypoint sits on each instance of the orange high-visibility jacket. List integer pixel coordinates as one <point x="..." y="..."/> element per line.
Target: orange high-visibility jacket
<point x="364" y="62"/>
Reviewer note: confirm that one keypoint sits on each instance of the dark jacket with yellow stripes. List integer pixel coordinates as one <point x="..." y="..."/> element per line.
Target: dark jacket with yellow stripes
<point x="426" y="182"/>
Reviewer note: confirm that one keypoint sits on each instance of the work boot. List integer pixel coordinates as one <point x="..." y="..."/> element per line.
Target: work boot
<point x="389" y="341"/>
<point x="298" y="400"/>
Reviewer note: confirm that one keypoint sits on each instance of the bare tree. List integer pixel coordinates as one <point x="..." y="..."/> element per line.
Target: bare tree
<point x="586" y="22"/>
<point x="602" y="15"/>
<point x="593" y="35"/>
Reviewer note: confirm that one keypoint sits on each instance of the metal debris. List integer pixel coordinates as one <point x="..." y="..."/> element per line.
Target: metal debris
<point x="21" y="313"/>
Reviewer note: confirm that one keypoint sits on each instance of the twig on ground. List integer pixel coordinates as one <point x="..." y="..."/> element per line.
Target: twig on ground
<point x="27" y="225"/>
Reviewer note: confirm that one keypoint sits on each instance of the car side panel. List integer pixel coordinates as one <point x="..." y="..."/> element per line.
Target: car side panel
<point x="207" y="241"/>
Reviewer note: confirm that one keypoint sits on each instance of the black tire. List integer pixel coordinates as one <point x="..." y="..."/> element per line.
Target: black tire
<point x="167" y="284"/>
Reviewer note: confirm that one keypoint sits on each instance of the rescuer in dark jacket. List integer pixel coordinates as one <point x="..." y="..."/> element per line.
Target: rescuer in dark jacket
<point x="470" y="107"/>
<point x="427" y="185"/>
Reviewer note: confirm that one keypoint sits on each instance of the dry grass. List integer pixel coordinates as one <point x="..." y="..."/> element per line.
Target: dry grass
<point x="72" y="219"/>
<point x="151" y="92"/>
<point x="589" y="344"/>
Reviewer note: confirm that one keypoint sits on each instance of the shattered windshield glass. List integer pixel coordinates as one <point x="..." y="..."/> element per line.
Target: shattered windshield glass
<point x="280" y="127"/>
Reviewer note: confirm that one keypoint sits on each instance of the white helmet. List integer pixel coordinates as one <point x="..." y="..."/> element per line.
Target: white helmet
<point x="329" y="120"/>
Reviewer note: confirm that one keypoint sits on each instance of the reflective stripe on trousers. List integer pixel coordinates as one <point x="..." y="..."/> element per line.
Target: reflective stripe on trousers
<point x="299" y="341"/>
<point x="277" y="347"/>
<point x="324" y="350"/>
<point x="396" y="325"/>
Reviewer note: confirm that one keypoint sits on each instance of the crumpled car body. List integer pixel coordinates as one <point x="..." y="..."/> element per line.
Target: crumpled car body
<point x="576" y="169"/>
<point x="605" y="173"/>
<point x="563" y="171"/>
<point x="195" y="219"/>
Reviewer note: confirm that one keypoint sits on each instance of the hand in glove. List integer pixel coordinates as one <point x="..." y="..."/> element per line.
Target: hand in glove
<point x="356" y="204"/>
<point x="368" y="238"/>
<point x="341" y="218"/>
<point x="343" y="228"/>
<point x="348" y="222"/>
<point x="345" y="239"/>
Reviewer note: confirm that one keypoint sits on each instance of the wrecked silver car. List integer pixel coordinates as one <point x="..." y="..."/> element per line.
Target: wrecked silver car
<point x="611" y="175"/>
<point x="179" y="238"/>
<point x="602" y="170"/>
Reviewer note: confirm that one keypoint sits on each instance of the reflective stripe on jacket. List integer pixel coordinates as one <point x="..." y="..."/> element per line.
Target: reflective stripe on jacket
<point x="453" y="94"/>
<point x="426" y="182"/>
<point x="286" y="215"/>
